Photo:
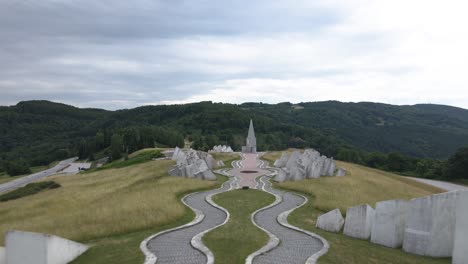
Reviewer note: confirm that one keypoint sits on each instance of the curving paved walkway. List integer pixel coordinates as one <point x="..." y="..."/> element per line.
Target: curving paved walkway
<point x="177" y="246"/>
<point x="288" y="244"/>
<point x="295" y="246"/>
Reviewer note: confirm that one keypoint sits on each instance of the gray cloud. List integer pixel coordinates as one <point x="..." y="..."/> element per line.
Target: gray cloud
<point x="116" y="54"/>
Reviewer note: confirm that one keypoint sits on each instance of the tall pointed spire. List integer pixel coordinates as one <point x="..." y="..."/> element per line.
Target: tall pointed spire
<point x="251" y="130"/>
<point x="251" y="146"/>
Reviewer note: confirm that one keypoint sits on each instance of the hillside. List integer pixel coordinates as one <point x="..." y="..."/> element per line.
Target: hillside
<point x="42" y="131"/>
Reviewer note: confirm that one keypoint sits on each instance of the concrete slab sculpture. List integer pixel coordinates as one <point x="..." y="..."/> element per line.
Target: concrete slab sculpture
<point x="430" y="228"/>
<point x="309" y="165"/>
<point x="460" y="247"/>
<point x="193" y="164"/>
<point x="40" y="248"/>
<point x="222" y="149"/>
<point x="389" y="223"/>
<point x="359" y="220"/>
<point x="2" y="255"/>
<point x="340" y="172"/>
<point x="251" y="140"/>
<point x="332" y="221"/>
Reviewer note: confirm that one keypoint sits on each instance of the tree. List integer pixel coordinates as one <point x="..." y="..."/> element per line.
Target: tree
<point x="457" y="165"/>
<point x="16" y="167"/>
<point x="116" y="147"/>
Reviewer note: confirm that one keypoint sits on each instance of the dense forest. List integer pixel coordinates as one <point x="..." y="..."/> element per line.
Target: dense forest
<point x="416" y="140"/>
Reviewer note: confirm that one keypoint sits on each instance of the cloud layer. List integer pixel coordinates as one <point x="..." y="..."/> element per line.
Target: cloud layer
<point x="120" y="54"/>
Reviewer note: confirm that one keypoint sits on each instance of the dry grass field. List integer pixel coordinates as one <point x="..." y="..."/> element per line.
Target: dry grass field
<point x="98" y="204"/>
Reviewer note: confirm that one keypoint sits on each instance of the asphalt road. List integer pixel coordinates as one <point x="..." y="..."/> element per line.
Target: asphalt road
<point x="5" y="187"/>
<point x="441" y="184"/>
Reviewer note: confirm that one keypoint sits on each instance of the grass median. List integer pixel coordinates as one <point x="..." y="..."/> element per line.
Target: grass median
<point x="233" y="242"/>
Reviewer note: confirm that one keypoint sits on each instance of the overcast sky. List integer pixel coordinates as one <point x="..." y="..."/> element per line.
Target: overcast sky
<point x="122" y="54"/>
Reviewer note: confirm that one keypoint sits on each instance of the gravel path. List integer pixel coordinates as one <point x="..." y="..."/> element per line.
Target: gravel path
<point x="441" y="184"/>
<point x="295" y="246"/>
<point x="175" y="246"/>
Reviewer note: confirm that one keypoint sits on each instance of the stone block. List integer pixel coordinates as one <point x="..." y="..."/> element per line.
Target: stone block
<point x="389" y="223"/>
<point x="340" y="172"/>
<point x="2" y="255"/>
<point x="430" y="228"/>
<point x="281" y="162"/>
<point x="460" y="247"/>
<point x="29" y="248"/>
<point x="359" y="221"/>
<point x="220" y="163"/>
<point x="332" y="221"/>
<point x="281" y="176"/>
<point x="206" y="175"/>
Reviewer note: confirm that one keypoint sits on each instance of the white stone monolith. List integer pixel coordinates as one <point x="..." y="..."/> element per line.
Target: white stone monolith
<point x="340" y="172"/>
<point x="281" y="162"/>
<point x="430" y="228"/>
<point x="359" y="221"/>
<point x="27" y="247"/>
<point x="2" y="255"/>
<point x="332" y="221"/>
<point x="389" y="223"/>
<point x="281" y="176"/>
<point x="460" y="247"/>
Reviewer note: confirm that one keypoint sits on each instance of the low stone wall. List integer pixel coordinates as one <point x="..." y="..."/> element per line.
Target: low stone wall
<point x="2" y="256"/>
<point x="389" y="223"/>
<point x="460" y="249"/>
<point x="359" y="221"/>
<point x="430" y="230"/>
<point x="433" y="226"/>
<point x="27" y="247"/>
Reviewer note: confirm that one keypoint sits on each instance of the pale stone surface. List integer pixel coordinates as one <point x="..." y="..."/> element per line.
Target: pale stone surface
<point x="332" y="221"/>
<point x="28" y="247"/>
<point x="389" y="223"/>
<point x="340" y="172"/>
<point x="430" y="229"/>
<point x="460" y="248"/>
<point x="2" y="256"/>
<point x="281" y="162"/>
<point x="359" y="221"/>
<point x="281" y="175"/>
<point x="222" y="149"/>
<point x="308" y="165"/>
<point x="220" y="163"/>
<point x="193" y="164"/>
<point x="251" y="141"/>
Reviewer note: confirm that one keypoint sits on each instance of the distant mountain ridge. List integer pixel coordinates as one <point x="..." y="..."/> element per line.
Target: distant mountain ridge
<point x="33" y="128"/>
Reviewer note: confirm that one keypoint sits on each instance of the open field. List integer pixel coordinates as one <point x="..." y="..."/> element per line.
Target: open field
<point x="239" y="233"/>
<point x="114" y="209"/>
<point x="360" y="185"/>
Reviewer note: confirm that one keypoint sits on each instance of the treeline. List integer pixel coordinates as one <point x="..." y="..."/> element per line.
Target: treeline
<point x="115" y="144"/>
<point x="454" y="168"/>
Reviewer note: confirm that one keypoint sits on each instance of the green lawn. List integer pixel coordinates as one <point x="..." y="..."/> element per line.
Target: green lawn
<point x="233" y="242"/>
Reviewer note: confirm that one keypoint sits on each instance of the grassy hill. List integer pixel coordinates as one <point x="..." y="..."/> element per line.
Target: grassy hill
<point x="114" y="209"/>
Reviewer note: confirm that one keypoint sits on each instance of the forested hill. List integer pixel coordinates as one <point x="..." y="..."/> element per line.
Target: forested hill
<point x="41" y="131"/>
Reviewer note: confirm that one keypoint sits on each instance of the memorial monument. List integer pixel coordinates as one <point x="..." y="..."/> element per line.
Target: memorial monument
<point x="251" y="141"/>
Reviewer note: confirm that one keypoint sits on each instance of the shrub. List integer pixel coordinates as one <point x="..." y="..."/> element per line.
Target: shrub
<point x="29" y="189"/>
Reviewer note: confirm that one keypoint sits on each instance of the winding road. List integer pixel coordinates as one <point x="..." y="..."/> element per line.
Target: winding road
<point x="288" y="244"/>
<point x="20" y="182"/>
